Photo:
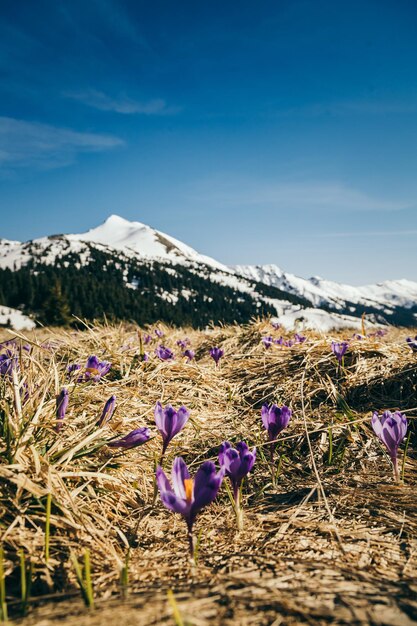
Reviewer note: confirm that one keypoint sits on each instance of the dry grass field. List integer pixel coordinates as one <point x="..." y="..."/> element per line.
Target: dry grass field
<point x="328" y="536"/>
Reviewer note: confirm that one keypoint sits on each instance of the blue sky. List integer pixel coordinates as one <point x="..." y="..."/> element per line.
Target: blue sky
<point x="258" y="132"/>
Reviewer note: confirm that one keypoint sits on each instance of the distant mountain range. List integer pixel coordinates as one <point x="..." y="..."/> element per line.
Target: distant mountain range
<point x="127" y="270"/>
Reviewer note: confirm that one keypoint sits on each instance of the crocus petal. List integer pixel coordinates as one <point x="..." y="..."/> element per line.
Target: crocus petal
<point x="182" y="418"/>
<point x="376" y="424"/>
<point x="92" y="362"/>
<point x="179" y="474"/>
<point x="206" y="486"/>
<point x="231" y="462"/>
<point x="223" y="448"/>
<point x="159" y="417"/>
<point x="242" y="448"/>
<point x="162" y="480"/>
<point x="265" y="415"/>
<point x="247" y="463"/>
<point x="104" y="368"/>
<point x="285" y="415"/>
<point x="174" y="503"/>
<point x="170" y="421"/>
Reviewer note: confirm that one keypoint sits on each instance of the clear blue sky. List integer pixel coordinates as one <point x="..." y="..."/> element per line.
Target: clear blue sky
<point x="279" y="131"/>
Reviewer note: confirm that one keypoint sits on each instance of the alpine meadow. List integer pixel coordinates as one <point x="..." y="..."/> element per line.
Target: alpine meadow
<point x="208" y="313"/>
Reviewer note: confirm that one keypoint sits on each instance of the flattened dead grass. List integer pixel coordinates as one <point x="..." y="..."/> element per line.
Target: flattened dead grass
<point x="330" y="541"/>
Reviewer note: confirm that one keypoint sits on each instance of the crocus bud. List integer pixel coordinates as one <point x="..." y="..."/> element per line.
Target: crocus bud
<point x="135" y="438"/>
<point x="237" y="462"/>
<point x="108" y="411"/>
<point x="189" y="354"/>
<point x="390" y="428"/>
<point x="216" y="354"/>
<point x="170" y="422"/>
<point x="274" y="420"/>
<point x="61" y="407"/>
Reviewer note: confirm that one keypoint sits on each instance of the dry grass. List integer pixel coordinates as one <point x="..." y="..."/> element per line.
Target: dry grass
<point x="334" y="541"/>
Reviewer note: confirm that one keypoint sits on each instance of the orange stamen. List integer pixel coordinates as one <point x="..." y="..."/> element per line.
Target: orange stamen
<point x="189" y="488"/>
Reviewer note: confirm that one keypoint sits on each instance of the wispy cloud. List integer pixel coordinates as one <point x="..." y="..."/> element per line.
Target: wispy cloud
<point x="300" y="196"/>
<point x="122" y="104"/>
<point x="32" y="144"/>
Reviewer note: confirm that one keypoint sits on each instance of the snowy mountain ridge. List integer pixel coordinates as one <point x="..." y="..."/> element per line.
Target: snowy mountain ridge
<point x="320" y="303"/>
<point x="321" y="292"/>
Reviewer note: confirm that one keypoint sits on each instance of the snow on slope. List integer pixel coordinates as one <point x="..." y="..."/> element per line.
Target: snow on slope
<point x="14" y="255"/>
<point x="117" y="232"/>
<point x="317" y="319"/>
<point x="398" y="293"/>
<point x="15" y="319"/>
<point x="141" y="242"/>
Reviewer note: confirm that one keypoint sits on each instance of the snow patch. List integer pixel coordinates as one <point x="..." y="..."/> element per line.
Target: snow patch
<point x="15" y="319"/>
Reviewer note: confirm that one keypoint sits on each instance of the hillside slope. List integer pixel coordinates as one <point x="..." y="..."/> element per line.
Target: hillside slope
<point x="128" y="270"/>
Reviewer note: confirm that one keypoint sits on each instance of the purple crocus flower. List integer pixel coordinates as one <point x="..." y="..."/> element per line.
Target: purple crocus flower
<point x="73" y="367"/>
<point x="170" y="422"/>
<point x="390" y="428"/>
<point x="144" y="357"/>
<point x="189" y="354"/>
<point x="339" y="349"/>
<point x="267" y="341"/>
<point x="135" y="438"/>
<point x="183" y="343"/>
<point x="8" y="363"/>
<point x="159" y="333"/>
<point x="13" y="344"/>
<point x="95" y="369"/>
<point x="276" y="325"/>
<point x="164" y="353"/>
<point x="108" y="411"/>
<point x="187" y="496"/>
<point x="237" y="463"/>
<point x="147" y="339"/>
<point x="299" y="338"/>
<point x="216" y="354"/>
<point x="279" y="341"/>
<point x="275" y="419"/>
<point x="61" y="407"/>
<point x="412" y="343"/>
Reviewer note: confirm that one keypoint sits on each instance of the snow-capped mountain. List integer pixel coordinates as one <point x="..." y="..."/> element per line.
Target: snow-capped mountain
<point x="388" y="297"/>
<point x="139" y="239"/>
<point x="151" y="273"/>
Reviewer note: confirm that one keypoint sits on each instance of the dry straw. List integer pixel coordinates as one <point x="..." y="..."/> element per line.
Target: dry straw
<point x="330" y="538"/>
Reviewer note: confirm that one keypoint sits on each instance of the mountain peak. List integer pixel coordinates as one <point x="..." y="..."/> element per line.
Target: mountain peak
<point x="116" y="219"/>
<point x="140" y="239"/>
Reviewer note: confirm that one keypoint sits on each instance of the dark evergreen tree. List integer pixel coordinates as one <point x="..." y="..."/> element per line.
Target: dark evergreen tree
<point x="56" y="310"/>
